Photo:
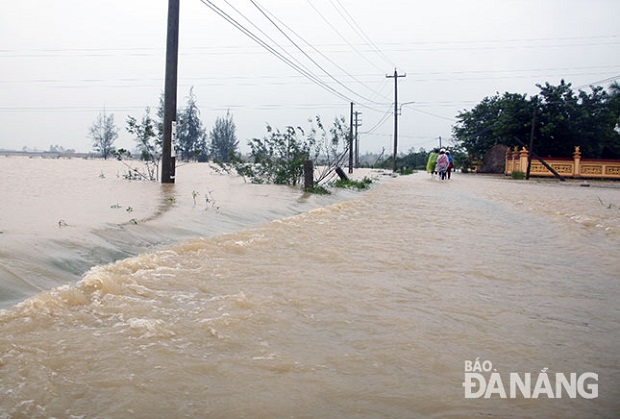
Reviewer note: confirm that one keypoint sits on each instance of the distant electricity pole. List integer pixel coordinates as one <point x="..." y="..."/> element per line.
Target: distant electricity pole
<point x="351" y="140"/>
<point x="358" y="123"/>
<point x="395" y="77"/>
<point x="170" y="92"/>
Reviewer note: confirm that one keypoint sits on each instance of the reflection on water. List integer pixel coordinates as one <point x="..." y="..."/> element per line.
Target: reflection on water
<point x="367" y="307"/>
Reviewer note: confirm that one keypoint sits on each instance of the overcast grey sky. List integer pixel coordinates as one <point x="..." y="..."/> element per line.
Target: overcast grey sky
<point x="64" y="61"/>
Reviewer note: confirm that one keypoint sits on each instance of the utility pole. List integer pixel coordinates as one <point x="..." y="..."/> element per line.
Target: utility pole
<point x="440" y="141"/>
<point x="358" y="123"/>
<point x="395" y="77"/>
<point x="351" y="140"/>
<point x="170" y="92"/>
<point x="531" y="149"/>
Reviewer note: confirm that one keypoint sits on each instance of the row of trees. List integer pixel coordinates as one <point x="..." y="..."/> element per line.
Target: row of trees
<point x="192" y="141"/>
<point x="557" y="118"/>
<point x="277" y="158"/>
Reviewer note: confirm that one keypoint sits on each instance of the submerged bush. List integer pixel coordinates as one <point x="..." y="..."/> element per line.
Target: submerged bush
<point x="318" y="189"/>
<point x="355" y="184"/>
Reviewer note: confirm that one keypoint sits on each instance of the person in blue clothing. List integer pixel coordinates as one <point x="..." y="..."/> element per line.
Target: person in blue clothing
<point x="451" y="165"/>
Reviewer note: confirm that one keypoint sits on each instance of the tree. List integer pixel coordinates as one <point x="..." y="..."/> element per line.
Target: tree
<point x="495" y="120"/>
<point x="558" y="113"/>
<point x="329" y="149"/>
<point x="279" y="157"/>
<point x="223" y="138"/>
<point x="562" y="119"/>
<point x="146" y="138"/>
<point x="597" y="122"/>
<point x="103" y="132"/>
<point x="191" y="135"/>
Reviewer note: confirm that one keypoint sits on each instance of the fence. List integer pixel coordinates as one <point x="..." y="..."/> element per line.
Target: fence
<point x="516" y="161"/>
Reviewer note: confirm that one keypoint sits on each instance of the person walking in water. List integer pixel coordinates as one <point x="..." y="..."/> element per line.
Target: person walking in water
<point x="443" y="162"/>
<point x="451" y="165"/>
<point x="432" y="161"/>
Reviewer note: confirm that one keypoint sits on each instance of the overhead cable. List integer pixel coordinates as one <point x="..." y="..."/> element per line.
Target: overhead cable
<point x="273" y="51"/>
<point x="343" y="38"/>
<point x="356" y="28"/>
<point x="265" y="13"/>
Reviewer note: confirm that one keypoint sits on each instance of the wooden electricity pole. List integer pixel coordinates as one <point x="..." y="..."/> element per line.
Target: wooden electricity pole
<point x="170" y="92"/>
<point x="395" y="77"/>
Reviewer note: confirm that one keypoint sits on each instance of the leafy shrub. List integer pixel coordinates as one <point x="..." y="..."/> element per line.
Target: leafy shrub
<point x="355" y="184"/>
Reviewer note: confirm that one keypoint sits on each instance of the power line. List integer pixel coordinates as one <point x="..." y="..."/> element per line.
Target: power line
<point x="607" y="80"/>
<point x="435" y="115"/>
<point x="306" y="54"/>
<point x="355" y="77"/>
<point x="317" y="51"/>
<point x="360" y="32"/>
<point x="271" y="50"/>
<point x="142" y="51"/>
<point x="284" y="51"/>
<point x="342" y="37"/>
<point x="382" y="121"/>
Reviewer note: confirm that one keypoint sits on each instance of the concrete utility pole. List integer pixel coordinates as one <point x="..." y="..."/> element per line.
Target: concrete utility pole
<point x="395" y="77"/>
<point x="357" y="141"/>
<point x="351" y="140"/>
<point x="531" y="149"/>
<point x="170" y="92"/>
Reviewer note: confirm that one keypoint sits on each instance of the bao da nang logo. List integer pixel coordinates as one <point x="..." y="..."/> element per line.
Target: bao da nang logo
<point x="484" y="381"/>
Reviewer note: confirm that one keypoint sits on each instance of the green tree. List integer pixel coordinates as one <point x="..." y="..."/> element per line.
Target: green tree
<point x="191" y="135"/>
<point x="495" y="120"/>
<point x="329" y="148"/>
<point x="146" y="139"/>
<point x="563" y="120"/>
<point x="597" y="122"/>
<point x="104" y="133"/>
<point x="279" y="157"/>
<point x="557" y="130"/>
<point x="223" y="137"/>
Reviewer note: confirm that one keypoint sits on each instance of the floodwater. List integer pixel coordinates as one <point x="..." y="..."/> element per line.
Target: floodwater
<point x="129" y="299"/>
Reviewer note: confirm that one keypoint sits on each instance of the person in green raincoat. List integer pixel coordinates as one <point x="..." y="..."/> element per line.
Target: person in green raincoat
<point x="432" y="161"/>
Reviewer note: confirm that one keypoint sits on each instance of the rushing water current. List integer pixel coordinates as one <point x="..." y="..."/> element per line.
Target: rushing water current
<point x="216" y="298"/>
